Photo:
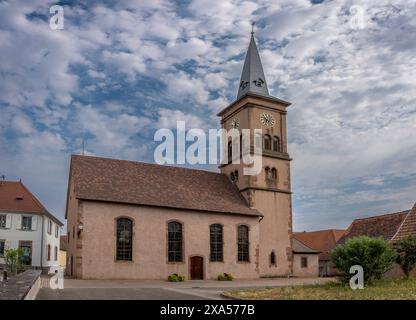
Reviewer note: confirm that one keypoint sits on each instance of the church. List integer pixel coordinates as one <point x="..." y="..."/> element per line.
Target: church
<point x="133" y="220"/>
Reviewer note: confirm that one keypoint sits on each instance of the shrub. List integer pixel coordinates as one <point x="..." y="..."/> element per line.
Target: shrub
<point x="13" y="259"/>
<point x="176" y="278"/>
<point x="406" y="254"/>
<point x="375" y="255"/>
<point x="225" y="277"/>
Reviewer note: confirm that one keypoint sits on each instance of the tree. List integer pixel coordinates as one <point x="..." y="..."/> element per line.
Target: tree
<point x="406" y="254"/>
<point x="375" y="255"/>
<point x="13" y="259"/>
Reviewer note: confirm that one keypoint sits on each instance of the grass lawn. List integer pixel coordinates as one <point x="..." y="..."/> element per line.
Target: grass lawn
<point x="380" y="290"/>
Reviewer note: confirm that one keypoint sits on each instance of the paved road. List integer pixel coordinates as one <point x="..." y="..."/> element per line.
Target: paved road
<point x="159" y="290"/>
<point x="114" y="294"/>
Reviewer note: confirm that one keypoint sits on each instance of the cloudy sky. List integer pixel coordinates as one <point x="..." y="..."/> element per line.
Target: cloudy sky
<point x="119" y="70"/>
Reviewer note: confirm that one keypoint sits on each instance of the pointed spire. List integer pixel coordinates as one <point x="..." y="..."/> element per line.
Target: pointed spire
<point x="252" y="78"/>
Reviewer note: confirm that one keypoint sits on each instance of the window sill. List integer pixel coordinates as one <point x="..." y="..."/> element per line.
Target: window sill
<point x="174" y="262"/>
<point x="25" y="230"/>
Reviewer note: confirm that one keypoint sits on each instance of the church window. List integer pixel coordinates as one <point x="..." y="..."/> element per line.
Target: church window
<point x="232" y="176"/>
<point x="230" y="151"/>
<point x="267" y="171"/>
<point x="124" y="240"/>
<point x="236" y="175"/>
<point x="216" y="242"/>
<point x="273" y="258"/>
<point x="243" y="244"/>
<point x="276" y="144"/>
<point x="174" y="242"/>
<point x="267" y="142"/>
<point x="274" y="173"/>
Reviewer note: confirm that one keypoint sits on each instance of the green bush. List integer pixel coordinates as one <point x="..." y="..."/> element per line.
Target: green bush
<point x="13" y="260"/>
<point x="225" y="277"/>
<point x="375" y="255"/>
<point x="176" y="278"/>
<point x="406" y="254"/>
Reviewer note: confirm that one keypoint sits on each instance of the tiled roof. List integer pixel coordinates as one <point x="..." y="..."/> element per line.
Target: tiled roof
<point x="300" y="247"/>
<point x="120" y="181"/>
<point x="408" y="227"/>
<point x="15" y="197"/>
<point x="322" y="240"/>
<point x="385" y="226"/>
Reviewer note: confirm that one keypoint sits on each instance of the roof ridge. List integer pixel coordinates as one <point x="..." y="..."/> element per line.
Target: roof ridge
<point x="146" y="163"/>
<point x="382" y="215"/>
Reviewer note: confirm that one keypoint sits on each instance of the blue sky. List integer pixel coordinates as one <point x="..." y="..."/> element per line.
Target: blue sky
<point x="122" y="69"/>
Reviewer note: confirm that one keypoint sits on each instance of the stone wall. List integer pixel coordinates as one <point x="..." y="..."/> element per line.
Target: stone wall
<point x="24" y="286"/>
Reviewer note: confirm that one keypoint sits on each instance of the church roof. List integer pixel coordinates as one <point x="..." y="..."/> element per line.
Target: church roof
<point x="252" y="78"/>
<point x="300" y="247"/>
<point x="120" y="181"/>
<point x="15" y="197"/>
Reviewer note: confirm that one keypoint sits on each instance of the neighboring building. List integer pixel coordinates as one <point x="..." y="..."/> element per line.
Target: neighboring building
<point x="25" y="223"/>
<point x="305" y="260"/>
<point x="130" y="220"/>
<point x="323" y="241"/>
<point x="62" y="251"/>
<point x="391" y="227"/>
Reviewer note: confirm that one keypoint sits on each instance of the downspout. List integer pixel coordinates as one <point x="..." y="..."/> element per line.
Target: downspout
<point x="41" y="247"/>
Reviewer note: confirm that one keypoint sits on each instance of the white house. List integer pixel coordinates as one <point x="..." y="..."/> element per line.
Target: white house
<point x="25" y="223"/>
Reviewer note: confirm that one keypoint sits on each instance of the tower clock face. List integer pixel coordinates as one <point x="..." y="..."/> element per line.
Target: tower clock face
<point x="235" y="123"/>
<point x="267" y="119"/>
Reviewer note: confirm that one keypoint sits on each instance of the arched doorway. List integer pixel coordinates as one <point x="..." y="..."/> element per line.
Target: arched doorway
<point x="196" y="266"/>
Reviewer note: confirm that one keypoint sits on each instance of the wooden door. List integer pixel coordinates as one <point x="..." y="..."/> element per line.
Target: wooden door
<point x="197" y="268"/>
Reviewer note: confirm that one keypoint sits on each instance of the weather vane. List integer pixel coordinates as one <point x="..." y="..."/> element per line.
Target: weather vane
<point x="252" y="27"/>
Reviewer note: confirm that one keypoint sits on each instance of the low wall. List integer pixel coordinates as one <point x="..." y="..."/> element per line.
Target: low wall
<point x="24" y="286"/>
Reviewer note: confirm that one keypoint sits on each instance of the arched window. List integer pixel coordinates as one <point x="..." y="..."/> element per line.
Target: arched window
<point x="243" y="244"/>
<point x="267" y="142"/>
<point x="236" y="175"/>
<point x="273" y="258"/>
<point x="216" y="242"/>
<point x="230" y="151"/>
<point x="267" y="171"/>
<point x="232" y="176"/>
<point x="124" y="245"/>
<point x="174" y="242"/>
<point x="274" y="174"/>
<point x="276" y="144"/>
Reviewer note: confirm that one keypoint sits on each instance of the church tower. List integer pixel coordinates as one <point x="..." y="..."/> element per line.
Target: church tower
<point x="269" y="192"/>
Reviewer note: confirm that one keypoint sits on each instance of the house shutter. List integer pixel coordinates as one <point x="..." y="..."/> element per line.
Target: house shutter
<point x="34" y="222"/>
<point x="8" y="221"/>
<point x="19" y="222"/>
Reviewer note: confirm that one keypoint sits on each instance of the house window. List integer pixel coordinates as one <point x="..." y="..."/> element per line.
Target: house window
<point x="56" y="231"/>
<point x="55" y="253"/>
<point x="273" y="258"/>
<point x="26" y="223"/>
<point x="3" y="221"/>
<point x="276" y="144"/>
<point x="49" y="226"/>
<point x="48" y="253"/>
<point x="2" y="245"/>
<point x="304" y="262"/>
<point x="26" y="247"/>
<point x="174" y="242"/>
<point x="267" y="142"/>
<point x="215" y="236"/>
<point x="243" y="244"/>
<point x="124" y="239"/>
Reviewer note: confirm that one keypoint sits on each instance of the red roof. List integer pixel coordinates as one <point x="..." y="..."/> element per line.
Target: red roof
<point x="385" y="226"/>
<point x="120" y="181"/>
<point x="323" y="240"/>
<point x="15" y="197"/>
<point x="408" y="227"/>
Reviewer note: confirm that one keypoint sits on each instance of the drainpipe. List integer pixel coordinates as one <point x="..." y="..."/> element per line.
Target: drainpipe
<point x="41" y="246"/>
